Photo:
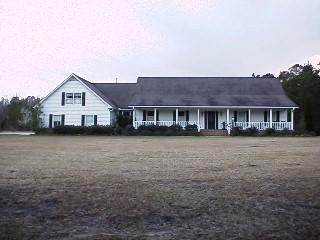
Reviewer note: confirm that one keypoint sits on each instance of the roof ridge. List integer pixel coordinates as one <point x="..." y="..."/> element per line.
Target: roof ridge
<point x="214" y="77"/>
<point x="114" y="83"/>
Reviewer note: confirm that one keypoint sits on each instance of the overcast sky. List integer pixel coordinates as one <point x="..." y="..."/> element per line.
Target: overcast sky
<point x="43" y="42"/>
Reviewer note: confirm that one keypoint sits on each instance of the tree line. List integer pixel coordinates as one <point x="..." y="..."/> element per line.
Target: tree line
<point x="300" y="82"/>
<point x="19" y="113"/>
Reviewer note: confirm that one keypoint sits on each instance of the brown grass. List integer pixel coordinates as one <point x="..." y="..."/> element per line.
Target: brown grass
<point x="159" y="188"/>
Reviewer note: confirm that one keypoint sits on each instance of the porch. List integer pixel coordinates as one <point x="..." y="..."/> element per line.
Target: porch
<point x="215" y="118"/>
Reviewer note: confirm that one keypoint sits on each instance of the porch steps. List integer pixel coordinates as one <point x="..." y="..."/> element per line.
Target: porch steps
<point x="213" y="132"/>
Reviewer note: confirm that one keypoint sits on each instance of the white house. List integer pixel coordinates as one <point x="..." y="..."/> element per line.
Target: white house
<point x="209" y="102"/>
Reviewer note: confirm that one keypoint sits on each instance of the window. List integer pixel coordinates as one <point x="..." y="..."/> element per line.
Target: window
<point x="181" y="113"/>
<point x="77" y="98"/>
<point x="150" y="115"/>
<point x="69" y="98"/>
<point x="56" y="120"/>
<point x="73" y="98"/>
<point x="89" y="120"/>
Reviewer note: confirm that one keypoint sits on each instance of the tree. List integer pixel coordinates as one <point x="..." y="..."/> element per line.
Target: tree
<point x="3" y="112"/>
<point x="14" y="112"/>
<point x="302" y="85"/>
<point x="19" y="113"/>
<point x="268" y="75"/>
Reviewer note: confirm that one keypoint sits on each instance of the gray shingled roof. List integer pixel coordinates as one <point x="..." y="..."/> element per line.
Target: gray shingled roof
<point x="194" y="91"/>
<point x="97" y="91"/>
<point x="210" y="91"/>
<point x="119" y="93"/>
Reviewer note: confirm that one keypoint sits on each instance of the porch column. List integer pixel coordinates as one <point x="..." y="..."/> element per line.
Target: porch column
<point x="177" y="115"/>
<point x="249" y="117"/>
<point x="228" y="117"/>
<point x="155" y="117"/>
<point x="270" y="120"/>
<point x="198" y="120"/>
<point x="134" y="118"/>
<point x="292" y="118"/>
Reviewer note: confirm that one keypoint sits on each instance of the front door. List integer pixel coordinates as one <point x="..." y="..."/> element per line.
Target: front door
<point x="212" y="120"/>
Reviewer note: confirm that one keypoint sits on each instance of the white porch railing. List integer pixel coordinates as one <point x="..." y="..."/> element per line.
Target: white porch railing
<point x="163" y="123"/>
<point x="281" y="125"/>
<point x="263" y="125"/>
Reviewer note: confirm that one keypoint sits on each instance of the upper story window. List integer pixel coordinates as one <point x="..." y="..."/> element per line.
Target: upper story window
<point x="73" y="98"/>
<point x="69" y="98"/>
<point x="77" y="98"/>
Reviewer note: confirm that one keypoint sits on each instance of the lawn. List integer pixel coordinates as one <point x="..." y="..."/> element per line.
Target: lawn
<point x="159" y="187"/>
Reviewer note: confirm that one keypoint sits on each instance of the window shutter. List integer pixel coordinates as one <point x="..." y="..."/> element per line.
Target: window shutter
<point x="174" y="115"/>
<point x="95" y="120"/>
<point x="63" y="98"/>
<point x="235" y="116"/>
<point x="157" y="118"/>
<point x="277" y="116"/>
<point x="289" y="116"/>
<point x="144" y="115"/>
<point x="187" y="116"/>
<point x="83" y="98"/>
<point x="265" y="117"/>
<point x="82" y="120"/>
<point x="62" y="119"/>
<point x="50" y="120"/>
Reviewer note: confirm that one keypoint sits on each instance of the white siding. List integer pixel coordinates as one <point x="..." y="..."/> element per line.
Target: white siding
<point x="73" y="112"/>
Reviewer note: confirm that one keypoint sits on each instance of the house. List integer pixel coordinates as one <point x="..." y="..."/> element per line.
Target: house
<point x="209" y="102"/>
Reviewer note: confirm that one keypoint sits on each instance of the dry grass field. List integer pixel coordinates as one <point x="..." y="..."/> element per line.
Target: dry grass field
<point x="159" y="188"/>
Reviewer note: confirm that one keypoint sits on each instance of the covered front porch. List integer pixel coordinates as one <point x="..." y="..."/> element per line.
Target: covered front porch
<point x="215" y="118"/>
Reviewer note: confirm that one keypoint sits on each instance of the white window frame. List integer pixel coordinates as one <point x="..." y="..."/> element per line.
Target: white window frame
<point x="68" y="99"/>
<point x="86" y="122"/>
<point x="73" y="100"/>
<point x="182" y="116"/>
<point x="54" y="119"/>
<point x="77" y="99"/>
<point x="151" y="116"/>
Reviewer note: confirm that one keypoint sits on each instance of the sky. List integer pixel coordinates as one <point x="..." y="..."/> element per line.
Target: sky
<point x="43" y="42"/>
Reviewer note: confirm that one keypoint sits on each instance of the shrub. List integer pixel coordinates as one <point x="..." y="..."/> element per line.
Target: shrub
<point x="153" y="128"/>
<point x="236" y="131"/>
<point x="129" y="131"/>
<point x="117" y="130"/>
<point x="43" y="131"/>
<point x="175" y="128"/>
<point x="285" y="133"/>
<point x="129" y="128"/>
<point x="76" y="130"/>
<point x="99" y="130"/>
<point x="269" y="132"/>
<point x="143" y="128"/>
<point x="72" y="130"/>
<point x="191" y="127"/>
<point x="124" y="121"/>
<point x="250" y="132"/>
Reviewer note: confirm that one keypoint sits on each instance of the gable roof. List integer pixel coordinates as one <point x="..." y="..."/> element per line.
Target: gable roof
<point x="96" y="90"/>
<point x="87" y="84"/>
<point x="210" y="91"/>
